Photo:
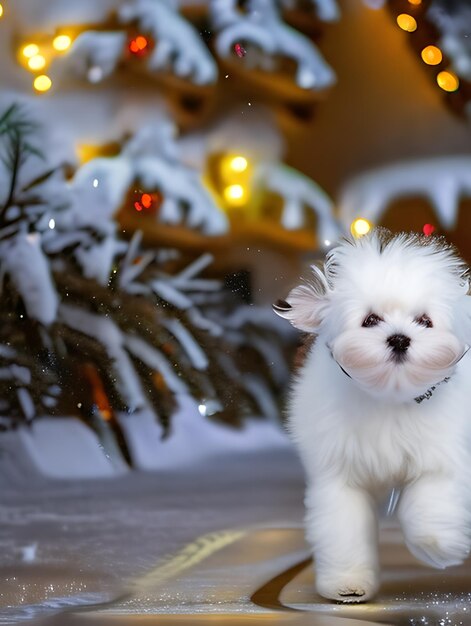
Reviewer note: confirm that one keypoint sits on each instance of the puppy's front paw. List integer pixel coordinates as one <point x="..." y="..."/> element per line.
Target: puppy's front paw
<point x="354" y="586"/>
<point x="441" y="551"/>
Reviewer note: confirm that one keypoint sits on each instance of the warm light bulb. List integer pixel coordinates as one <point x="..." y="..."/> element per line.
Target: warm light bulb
<point x="238" y="164"/>
<point x="146" y="200"/>
<point x="30" y="50"/>
<point x="61" y="42"/>
<point x="360" y="227"/>
<point x="431" y="55"/>
<point x="448" y="81"/>
<point x="42" y="83"/>
<point x="406" y="22"/>
<point x="38" y="62"/>
<point x="415" y="3"/>
<point x="138" y="45"/>
<point x="1" y="10"/>
<point x="234" y="194"/>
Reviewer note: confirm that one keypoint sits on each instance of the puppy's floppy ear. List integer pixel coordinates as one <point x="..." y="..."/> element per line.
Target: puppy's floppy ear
<point x="304" y="308"/>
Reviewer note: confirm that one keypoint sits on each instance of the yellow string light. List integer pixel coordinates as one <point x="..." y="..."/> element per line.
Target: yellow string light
<point x="448" y="81"/>
<point x="360" y="227"/>
<point x="30" y="50"/>
<point x="234" y="195"/>
<point x="431" y="55"/>
<point x="239" y="164"/>
<point x="42" y="83"/>
<point x="406" y="22"/>
<point x="61" y="43"/>
<point x="38" y="62"/>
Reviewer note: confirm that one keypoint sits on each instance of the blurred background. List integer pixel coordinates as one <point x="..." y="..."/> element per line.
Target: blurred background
<point x="168" y="170"/>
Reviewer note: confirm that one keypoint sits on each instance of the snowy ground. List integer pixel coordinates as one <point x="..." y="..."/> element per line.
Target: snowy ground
<point x="92" y="537"/>
<point x="222" y="543"/>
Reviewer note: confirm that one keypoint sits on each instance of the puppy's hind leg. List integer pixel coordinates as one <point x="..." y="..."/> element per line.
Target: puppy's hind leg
<point x="341" y="527"/>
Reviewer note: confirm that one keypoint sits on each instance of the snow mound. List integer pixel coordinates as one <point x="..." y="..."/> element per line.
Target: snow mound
<point x="61" y="448"/>
<point x="193" y="439"/>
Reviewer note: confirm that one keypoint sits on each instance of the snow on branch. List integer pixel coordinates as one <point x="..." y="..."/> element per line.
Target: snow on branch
<point x="263" y="28"/>
<point x="195" y="353"/>
<point x="155" y="359"/>
<point x="453" y="25"/>
<point x="107" y="333"/>
<point x="178" y="45"/>
<point x="24" y="261"/>
<point x="326" y="10"/>
<point x="93" y="55"/>
<point x="101" y="186"/>
<point x="300" y="193"/>
<point x="442" y="181"/>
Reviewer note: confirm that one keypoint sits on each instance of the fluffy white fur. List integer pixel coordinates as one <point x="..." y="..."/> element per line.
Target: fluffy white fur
<point x="353" y="413"/>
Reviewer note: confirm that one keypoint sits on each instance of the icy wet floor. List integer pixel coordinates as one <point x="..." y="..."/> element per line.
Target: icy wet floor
<point x="222" y="540"/>
<point x="92" y="537"/>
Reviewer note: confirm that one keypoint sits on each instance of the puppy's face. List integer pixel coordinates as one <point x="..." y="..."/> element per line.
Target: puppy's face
<point x="387" y="308"/>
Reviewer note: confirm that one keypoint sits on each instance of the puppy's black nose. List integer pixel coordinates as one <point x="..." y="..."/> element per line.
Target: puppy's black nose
<point x="399" y="343"/>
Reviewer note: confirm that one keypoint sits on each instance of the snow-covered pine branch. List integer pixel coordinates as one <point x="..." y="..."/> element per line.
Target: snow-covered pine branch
<point x="94" y="55"/>
<point x="326" y="10"/>
<point x="263" y="28"/>
<point x="442" y="181"/>
<point x="454" y="40"/>
<point x="101" y="185"/>
<point x="22" y="258"/>
<point x="104" y="330"/>
<point x="300" y="193"/>
<point x="178" y="46"/>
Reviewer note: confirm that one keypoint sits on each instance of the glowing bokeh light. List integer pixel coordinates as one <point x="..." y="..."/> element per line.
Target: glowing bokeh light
<point x="146" y="200"/>
<point x="234" y="194"/>
<point x="448" y="81"/>
<point x="1" y="10"/>
<point x="431" y="55"/>
<point x="42" y="83"/>
<point x="30" y="50"/>
<point x="239" y="164"/>
<point x="38" y="62"/>
<point x="138" y="44"/>
<point x="61" y="43"/>
<point x="360" y="227"/>
<point x="415" y="3"/>
<point x="406" y="22"/>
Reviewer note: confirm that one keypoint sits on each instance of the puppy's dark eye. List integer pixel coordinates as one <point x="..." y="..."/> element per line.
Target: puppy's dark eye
<point x="424" y="320"/>
<point x="371" y="320"/>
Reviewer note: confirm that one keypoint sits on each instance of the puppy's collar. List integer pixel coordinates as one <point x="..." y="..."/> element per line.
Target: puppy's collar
<point x="429" y="393"/>
<point x="425" y="396"/>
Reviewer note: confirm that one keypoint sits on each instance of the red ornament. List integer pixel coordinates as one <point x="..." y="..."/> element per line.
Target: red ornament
<point x="428" y="229"/>
<point x="139" y="45"/>
<point x="146" y="200"/>
<point x="148" y="203"/>
<point x="240" y="50"/>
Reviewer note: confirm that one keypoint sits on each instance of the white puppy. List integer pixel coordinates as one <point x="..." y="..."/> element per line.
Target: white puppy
<point x="383" y="400"/>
